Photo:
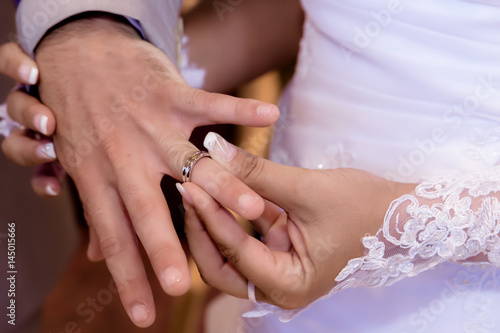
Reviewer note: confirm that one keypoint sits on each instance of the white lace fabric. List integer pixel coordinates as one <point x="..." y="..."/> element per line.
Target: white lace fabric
<point x="449" y="218"/>
<point x="452" y="218"/>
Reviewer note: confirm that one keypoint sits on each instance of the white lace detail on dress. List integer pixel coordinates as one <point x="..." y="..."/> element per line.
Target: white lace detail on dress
<point x="450" y="218"/>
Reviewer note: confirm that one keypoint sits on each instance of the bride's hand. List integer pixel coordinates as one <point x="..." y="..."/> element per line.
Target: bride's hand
<point x="33" y="146"/>
<point x="313" y="223"/>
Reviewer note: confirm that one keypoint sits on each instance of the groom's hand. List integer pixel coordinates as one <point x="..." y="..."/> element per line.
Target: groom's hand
<point x="124" y="116"/>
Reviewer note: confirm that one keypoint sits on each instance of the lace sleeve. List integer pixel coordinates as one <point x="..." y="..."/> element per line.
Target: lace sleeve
<point x="448" y="218"/>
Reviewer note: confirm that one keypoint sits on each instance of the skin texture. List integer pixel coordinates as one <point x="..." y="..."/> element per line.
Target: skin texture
<point x="311" y="226"/>
<point x="124" y="115"/>
<point x="123" y="124"/>
<point x="273" y="30"/>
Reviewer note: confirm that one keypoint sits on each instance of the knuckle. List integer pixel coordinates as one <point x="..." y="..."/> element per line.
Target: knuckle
<point x="147" y="209"/>
<point x="177" y="155"/>
<point x="159" y="253"/>
<point x="230" y="255"/>
<point x="111" y="247"/>
<point x="187" y="98"/>
<point x="251" y="168"/>
<point x="209" y="280"/>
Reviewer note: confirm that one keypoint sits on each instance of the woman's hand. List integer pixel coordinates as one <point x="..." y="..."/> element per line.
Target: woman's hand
<point x="30" y="143"/>
<point x="312" y="226"/>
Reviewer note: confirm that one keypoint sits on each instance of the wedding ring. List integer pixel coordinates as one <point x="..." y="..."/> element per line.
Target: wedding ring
<point x="190" y="163"/>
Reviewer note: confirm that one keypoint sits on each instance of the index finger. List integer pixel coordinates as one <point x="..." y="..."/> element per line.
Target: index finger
<point x="217" y="181"/>
<point x="275" y="182"/>
<point x="17" y="65"/>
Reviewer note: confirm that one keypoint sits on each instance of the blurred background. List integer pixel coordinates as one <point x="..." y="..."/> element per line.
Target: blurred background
<point x="57" y="285"/>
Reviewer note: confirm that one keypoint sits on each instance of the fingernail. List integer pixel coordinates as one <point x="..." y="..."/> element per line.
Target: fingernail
<point x="219" y="147"/>
<point x="264" y="110"/>
<point x="140" y="313"/>
<point x="50" y="191"/>
<point x="29" y="74"/>
<point x="41" y="123"/>
<point x="171" y="276"/>
<point x="183" y="192"/>
<point x="246" y="201"/>
<point x="46" y="151"/>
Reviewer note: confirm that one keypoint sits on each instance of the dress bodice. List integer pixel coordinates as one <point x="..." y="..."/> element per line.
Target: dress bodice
<point x="404" y="89"/>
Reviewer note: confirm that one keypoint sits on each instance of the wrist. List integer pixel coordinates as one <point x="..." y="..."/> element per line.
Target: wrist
<point x="91" y="26"/>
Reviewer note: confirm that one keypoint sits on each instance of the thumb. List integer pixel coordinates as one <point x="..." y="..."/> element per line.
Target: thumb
<point x="275" y="182"/>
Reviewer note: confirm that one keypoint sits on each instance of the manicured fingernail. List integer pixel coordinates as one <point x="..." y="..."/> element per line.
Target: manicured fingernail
<point x="171" y="276"/>
<point x="219" y="147"/>
<point x="29" y="74"/>
<point x="41" y="123"/>
<point x="246" y="201"/>
<point x="46" y="151"/>
<point x="183" y="192"/>
<point x="50" y="191"/>
<point x="264" y="110"/>
<point x="140" y="313"/>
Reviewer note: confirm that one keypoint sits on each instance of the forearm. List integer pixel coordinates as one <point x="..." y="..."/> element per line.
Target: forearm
<point x="237" y="45"/>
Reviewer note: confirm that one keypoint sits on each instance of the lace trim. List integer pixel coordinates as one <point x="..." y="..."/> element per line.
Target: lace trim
<point x="450" y="218"/>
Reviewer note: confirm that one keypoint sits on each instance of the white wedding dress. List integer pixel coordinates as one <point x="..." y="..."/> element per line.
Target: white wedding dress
<point x="406" y="90"/>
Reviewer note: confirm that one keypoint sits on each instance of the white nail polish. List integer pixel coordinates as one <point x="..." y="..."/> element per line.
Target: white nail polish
<point x="218" y="147"/>
<point x="40" y="122"/>
<point x="33" y="78"/>
<point x="50" y="191"/>
<point x="29" y="74"/>
<point x="43" y="124"/>
<point x="46" y="151"/>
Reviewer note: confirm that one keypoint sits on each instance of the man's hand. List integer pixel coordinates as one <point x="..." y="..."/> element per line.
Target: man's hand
<point x="124" y="116"/>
